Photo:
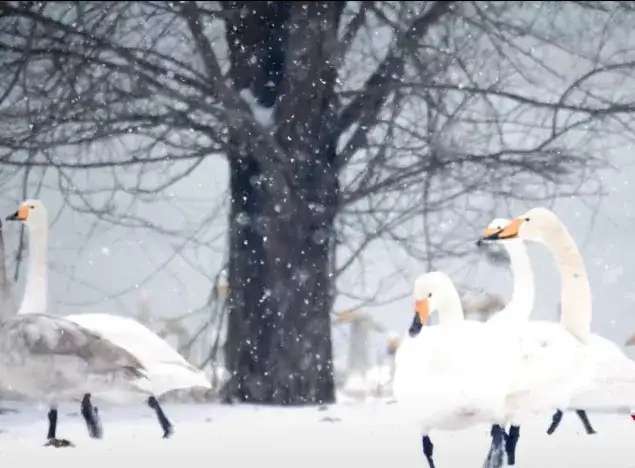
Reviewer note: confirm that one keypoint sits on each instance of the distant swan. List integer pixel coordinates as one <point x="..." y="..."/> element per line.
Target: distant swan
<point x="54" y="358"/>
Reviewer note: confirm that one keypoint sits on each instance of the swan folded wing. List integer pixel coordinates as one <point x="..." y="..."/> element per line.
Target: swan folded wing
<point x="551" y="366"/>
<point x="611" y="385"/>
<point x="144" y="344"/>
<point x="165" y="367"/>
<point x="44" y="335"/>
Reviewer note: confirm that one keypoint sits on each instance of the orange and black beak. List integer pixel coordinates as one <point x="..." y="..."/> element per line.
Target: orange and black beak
<point x="508" y="232"/>
<point x="21" y="215"/>
<point x="422" y="312"/>
<point x="489" y="234"/>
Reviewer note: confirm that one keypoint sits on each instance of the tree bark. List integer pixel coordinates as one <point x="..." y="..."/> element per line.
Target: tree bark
<point x="278" y="345"/>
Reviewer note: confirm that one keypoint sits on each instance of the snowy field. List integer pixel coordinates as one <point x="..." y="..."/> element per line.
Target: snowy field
<point x="356" y="434"/>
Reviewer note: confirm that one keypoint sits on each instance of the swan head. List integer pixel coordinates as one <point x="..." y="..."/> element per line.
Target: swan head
<point x="433" y="292"/>
<point x="32" y="213"/>
<point x="496" y="225"/>
<point x="535" y="225"/>
<point x="494" y="252"/>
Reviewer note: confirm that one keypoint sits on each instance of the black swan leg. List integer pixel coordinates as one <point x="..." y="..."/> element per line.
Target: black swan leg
<point x="166" y="425"/>
<point x="511" y="440"/>
<point x="496" y="451"/>
<point x="428" y="447"/>
<point x="91" y="416"/>
<point x="52" y="423"/>
<point x="555" y="422"/>
<point x="52" y="440"/>
<point x="585" y="421"/>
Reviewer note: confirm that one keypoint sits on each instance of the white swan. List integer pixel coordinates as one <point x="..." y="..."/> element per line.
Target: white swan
<point x="112" y="357"/>
<point x="520" y="306"/>
<point x="607" y="377"/>
<point x="449" y="376"/>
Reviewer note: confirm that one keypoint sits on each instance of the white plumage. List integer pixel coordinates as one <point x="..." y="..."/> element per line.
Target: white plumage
<point x="165" y="368"/>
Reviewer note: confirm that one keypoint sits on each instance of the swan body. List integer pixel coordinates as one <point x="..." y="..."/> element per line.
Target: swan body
<point x="51" y="359"/>
<point x="611" y="385"/>
<point x="550" y="366"/>
<point x="447" y="376"/>
<point x="442" y="377"/>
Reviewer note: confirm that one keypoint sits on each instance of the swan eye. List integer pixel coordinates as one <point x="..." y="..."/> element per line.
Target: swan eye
<point x="32" y="207"/>
<point x="429" y="294"/>
<point x="527" y="219"/>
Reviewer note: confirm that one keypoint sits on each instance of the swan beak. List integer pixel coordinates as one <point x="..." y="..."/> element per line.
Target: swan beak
<point x="415" y="326"/>
<point x="420" y="318"/>
<point x="508" y="232"/>
<point x="423" y="310"/>
<point x="21" y="215"/>
<point x="489" y="234"/>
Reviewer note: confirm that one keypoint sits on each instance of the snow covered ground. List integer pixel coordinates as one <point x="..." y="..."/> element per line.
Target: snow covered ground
<point x="356" y="434"/>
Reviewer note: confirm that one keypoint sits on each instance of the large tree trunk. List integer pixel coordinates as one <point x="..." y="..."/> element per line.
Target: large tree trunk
<point x="281" y="222"/>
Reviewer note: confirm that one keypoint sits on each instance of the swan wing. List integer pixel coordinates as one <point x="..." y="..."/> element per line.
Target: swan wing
<point x="550" y="367"/>
<point x="49" y="358"/>
<point x="611" y="386"/>
<point x="37" y="334"/>
<point x="165" y="367"/>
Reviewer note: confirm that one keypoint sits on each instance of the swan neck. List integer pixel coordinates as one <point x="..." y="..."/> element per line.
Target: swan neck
<point x="7" y="306"/>
<point x="450" y="309"/>
<point x="575" y="294"/>
<point x="4" y="277"/>
<point x="36" y="288"/>
<point x="522" y="300"/>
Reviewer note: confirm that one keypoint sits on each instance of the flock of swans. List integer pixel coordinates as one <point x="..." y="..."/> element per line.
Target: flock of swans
<point x="460" y="373"/>
<point x="450" y="376"/>
<point x="52" y="359"/>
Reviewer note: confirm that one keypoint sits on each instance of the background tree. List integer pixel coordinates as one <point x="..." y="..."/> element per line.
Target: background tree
<point x="342" y="123"/>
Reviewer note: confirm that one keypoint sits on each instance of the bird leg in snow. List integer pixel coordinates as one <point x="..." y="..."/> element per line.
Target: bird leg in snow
<point x="495" y="455"/>
<point x="555" y="422"/>
<point x="428" y="447"/>
<point x="52" y="423"/>
<point x="585" y="421"/>
<point x="511" y="440"/>
<point x="52" y="440"/>
<point x="91" y="416"/>
<point x="163" y="420"/>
